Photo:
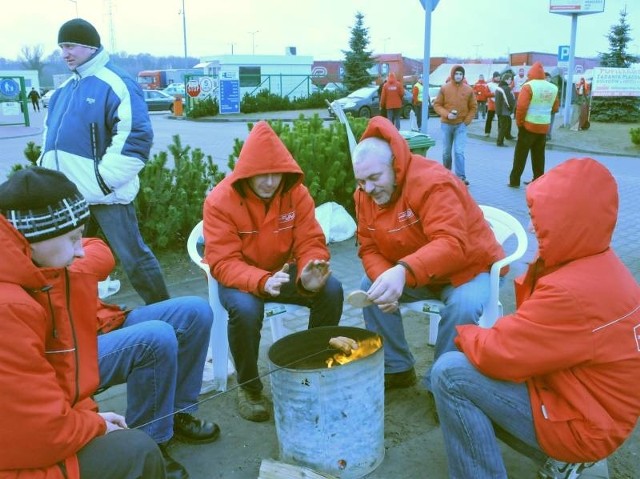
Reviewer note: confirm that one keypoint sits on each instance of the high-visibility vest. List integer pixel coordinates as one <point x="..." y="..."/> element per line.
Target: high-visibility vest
<point x="418" y="86"/>
<point x="542" y="99"/>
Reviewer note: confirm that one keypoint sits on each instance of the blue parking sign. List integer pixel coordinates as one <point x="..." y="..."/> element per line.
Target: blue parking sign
<point x="563" y="53"/>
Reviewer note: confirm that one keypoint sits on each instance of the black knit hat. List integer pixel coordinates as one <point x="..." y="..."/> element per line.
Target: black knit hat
<point x="80" y="32"/>
<point x="42" y="204"/>
<point x="459" y="69"/>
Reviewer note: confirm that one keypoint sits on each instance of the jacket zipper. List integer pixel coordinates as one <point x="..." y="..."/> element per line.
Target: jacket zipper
<point x="73" y="332"/>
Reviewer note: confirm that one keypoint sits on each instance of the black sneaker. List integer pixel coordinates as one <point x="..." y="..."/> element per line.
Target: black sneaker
<point x="404" y="379"/>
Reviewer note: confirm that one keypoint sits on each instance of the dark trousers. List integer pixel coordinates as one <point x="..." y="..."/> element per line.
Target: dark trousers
<point x="487" y="124"/>
<point x="125" y="454"/>
<point x="528" y="141"/>
<point x="418" y="110"/>
<point x="246" y="312"/>
<point x="482" y="109"/>
<point x="504" y="128"/>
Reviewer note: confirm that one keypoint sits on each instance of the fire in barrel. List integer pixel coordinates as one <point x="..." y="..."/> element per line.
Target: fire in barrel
<point x="329" y="401"/>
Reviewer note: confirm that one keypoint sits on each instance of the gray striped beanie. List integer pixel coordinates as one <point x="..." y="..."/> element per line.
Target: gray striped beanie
<point x="42" y="204"/>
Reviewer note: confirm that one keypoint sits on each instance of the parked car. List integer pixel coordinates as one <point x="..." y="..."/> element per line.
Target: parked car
<point x="333" y="87"/>
<point x="46" y="97"/>
<point x="365" y="103"/>
<point x="175" y="89"/>
<point x="157" y="100"/>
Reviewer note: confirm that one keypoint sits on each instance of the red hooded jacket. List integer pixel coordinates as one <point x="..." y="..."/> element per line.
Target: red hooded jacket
<point x="48" y="358"/>
<point x="431" y="222"/>
<point x="392" y="93"/>
<point x="575" y="336"/>
<point x="456" y="96"/>
<point x="248" y="239"/>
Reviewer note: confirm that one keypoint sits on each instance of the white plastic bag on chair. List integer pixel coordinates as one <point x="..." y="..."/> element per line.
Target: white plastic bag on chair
<point x="337" y="225"/>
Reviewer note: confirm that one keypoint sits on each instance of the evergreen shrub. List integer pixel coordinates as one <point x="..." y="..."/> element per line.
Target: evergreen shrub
<point x="635" y="136"/>
<point x="170" y="200"/>
<point x="322" y="153"/>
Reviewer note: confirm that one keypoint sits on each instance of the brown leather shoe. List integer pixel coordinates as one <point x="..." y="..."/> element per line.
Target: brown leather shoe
<point x="252" y="405"/>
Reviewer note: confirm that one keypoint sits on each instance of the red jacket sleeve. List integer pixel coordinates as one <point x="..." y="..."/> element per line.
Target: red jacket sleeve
<point x="40" y="425"/>
<point x="98" y="259"/>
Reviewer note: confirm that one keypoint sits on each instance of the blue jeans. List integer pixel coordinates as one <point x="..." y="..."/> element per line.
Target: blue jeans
<point x="159" y="352"/>
<point x="462" y="305"/>
<point x="454" y="136"/>
<point x="120" y="227"/>
<point x="393" y="114"/>
<point x="246" y="312"/>
<point x="474" y="411"/>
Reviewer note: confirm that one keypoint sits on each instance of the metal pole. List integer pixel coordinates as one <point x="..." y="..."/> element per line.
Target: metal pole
<point x="426" y="64"/>
<point x="253" y="41"/>
<point x="76" y="3"/>
<point x="572" y="65"/>
<point x="184" y="33"/>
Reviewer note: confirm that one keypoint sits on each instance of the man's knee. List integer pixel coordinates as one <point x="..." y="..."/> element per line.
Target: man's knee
<point x="333" y="289"/>
<point x="444" y="365"/>
<point x="161" y="337"/>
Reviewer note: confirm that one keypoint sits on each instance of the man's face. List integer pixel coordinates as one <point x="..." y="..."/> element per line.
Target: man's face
<point x="75" y="55"/>
<point x="496" y="78"/>
<point x="376" y="179"/>
<point x="521" y="72"/>
<point x="60" y="251"/>
<point x="458" y="76"/>
<point x="265" y="186"/>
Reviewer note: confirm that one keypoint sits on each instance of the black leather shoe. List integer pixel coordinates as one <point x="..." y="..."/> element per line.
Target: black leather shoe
<point x="513" y="186"/>
<point x="188" y="428"/>
<point x="404" y="379"/>
<point x="173" y="469"/>
<point x="527" y="182"/>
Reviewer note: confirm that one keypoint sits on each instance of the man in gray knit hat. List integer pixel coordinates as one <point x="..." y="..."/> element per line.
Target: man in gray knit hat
<point x="98" y="133"/>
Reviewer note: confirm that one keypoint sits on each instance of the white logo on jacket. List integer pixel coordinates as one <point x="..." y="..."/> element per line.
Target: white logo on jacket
<point x="405" y="215"/>
<point x="90" y="101"/>
<point x="288" y="217"/>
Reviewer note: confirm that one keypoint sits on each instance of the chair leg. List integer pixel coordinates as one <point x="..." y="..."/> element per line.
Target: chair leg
<point x="219" y="341"/>
<point x="434" y="321"/>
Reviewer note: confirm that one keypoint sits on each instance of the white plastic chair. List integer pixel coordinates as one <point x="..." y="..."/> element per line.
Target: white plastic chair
<point x="219" y="341"/>
<point x="504" y="226"/>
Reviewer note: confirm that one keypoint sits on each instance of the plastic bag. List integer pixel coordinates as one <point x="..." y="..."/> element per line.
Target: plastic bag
<point x="337" y="225"/>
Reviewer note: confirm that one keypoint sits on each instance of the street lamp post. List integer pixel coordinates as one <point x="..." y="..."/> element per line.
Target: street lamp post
<point x="253" y="41"/>
<point x="184" y="33"/>
<point x="76" y="3"/>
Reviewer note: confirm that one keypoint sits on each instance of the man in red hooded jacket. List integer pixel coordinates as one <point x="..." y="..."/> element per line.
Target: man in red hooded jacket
<point x="392" y="99"/>
<point x="51" y="427"/>
<point x="262" y="242"/>
<point x="421" y="236"/>
<point x="559" y="377"/>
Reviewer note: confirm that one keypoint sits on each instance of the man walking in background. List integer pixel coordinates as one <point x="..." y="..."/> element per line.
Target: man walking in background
<point x="537" y="100"/>
<point x="417" y="94"/>
<point x="98" y="133"/>
<point x="456" y="104"/>
<point x="34" y="96"/>
<point x="392" y="99"/>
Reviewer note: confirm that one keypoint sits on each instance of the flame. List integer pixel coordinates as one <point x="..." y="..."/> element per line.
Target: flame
<point x="365" y="348"/>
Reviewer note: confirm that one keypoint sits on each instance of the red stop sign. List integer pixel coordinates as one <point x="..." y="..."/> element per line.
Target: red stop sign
<point x="193" y="88"/>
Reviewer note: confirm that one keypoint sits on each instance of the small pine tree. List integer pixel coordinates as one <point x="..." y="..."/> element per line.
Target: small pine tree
<point x="617" y="109"/>
<point x="358" y="60"/>
<point x="619" y="39"/>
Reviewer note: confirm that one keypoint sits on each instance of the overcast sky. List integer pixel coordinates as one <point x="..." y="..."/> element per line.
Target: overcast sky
<point x="319" y="28"/>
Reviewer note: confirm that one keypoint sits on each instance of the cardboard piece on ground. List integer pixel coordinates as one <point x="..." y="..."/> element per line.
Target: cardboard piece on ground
<point x="270" y="469"/>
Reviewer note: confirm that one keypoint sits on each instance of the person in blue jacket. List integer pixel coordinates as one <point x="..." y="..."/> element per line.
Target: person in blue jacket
<point x="98" y="133"/>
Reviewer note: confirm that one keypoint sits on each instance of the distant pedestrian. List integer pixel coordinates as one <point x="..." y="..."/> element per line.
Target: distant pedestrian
<point x="547" y="76"/>
<point x="34" y="96"/>
<point x="417" y="94"/>
<point x="482" y="92"/>
<point x="456" y="104"/>
<point x="491" y="103"/>
<point x="505" y="105"/>
<point x="392" y="99"/>
<point x="518" y="82"/>
<point x="383" y="110"/>
<point x="538" y="99"/>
